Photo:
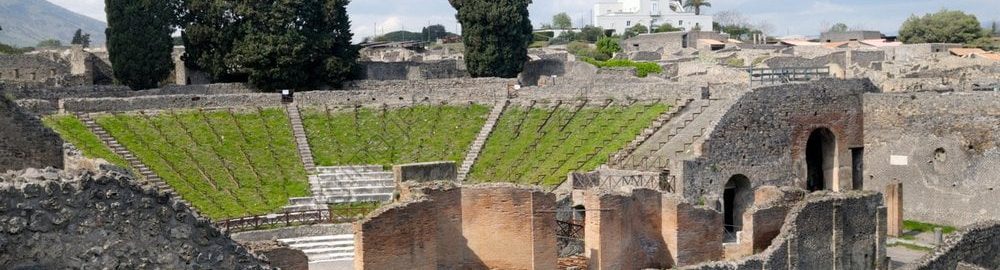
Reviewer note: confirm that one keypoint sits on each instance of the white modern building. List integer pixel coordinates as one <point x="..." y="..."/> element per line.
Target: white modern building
<point x="622" y="14"/>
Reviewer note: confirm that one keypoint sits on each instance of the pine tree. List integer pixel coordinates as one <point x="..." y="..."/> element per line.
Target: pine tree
<point x="139" y="43"/>
<point x="496" y="34"/>
<point x="77" y="37"/>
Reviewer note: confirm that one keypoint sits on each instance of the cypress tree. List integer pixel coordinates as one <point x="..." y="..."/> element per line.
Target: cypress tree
<point x="496" y="34"/>
<point x="139" y="42"/>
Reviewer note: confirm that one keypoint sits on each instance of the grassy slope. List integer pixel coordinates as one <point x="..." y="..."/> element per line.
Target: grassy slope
<point x="75" y="132"/>
<point x="227" y="165"/>
<point x="524" y="148"/>
<point x="394" y="136"/>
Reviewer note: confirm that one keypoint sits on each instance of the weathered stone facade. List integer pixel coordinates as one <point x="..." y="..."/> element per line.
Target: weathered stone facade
<point x="25" y="142"/>
<point x="50" y="220"/>
<point x="943" y="148"/>
<point x="765" y="136"/>
<point x="825" y="231"/>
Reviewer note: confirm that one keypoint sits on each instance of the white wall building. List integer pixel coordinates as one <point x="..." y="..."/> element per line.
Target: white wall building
<point x="622" y="14"/>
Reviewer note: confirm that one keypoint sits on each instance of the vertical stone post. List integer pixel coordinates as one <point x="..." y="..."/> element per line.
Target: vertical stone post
<point x="894" y="209"/>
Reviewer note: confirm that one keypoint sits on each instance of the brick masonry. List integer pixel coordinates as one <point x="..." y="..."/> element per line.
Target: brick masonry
<point x="25" y="142"/>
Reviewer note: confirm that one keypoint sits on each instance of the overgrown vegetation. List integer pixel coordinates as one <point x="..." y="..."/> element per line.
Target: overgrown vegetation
<point x="496" y="36"/>
<point x="73" y="130"/>
<point x="392" y="135"/>
<point x="643" y="69"/>
<point x="227" y="164"/>
<point x="921" y="227"/>
<point x="542" y="145"/>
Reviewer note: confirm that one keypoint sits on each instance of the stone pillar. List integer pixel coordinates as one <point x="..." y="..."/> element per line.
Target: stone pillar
<point x="894" y="209"/>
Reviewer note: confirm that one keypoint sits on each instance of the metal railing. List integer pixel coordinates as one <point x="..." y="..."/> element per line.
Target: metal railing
<point x="309" y="217"/>
<point x="787" y="75"/>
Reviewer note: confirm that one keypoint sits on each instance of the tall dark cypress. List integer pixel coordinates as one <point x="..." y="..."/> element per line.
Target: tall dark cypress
<point x="139" y="42"/>
<point x="496" y="34"/>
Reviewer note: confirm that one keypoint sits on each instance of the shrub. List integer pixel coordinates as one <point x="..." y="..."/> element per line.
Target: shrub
<point x="642" y="69"/>
<point x="608" y="46"/>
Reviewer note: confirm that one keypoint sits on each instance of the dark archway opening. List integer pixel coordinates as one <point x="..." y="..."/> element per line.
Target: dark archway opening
<point x="821" y="155"/>
<point x="736" y="198"/>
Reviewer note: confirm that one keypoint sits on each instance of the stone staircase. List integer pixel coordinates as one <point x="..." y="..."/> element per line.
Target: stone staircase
<point x="677" y="139"/>
<point x="345" y="184"/>
<point x="133" y="161"/>
<point x="328" y="248"/>
<point x="477" y="146"/>
<point x="647" y="133"/>
<point x="301" y="141"/>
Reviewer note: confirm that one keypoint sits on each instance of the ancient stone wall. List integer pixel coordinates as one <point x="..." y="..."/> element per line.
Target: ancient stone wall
<point x="442" y="69"/>
<point x="426" y="172"/>
<point x="441" y="226"/>
<point x="32" y="68"/>
<point x="25" y="142"/>
<point x="976" y="245"/>
<point x="944" y="148"/>
<point x="52" y="220"/>
<point x="100" y="91"/>
<point x="647" y="229"/>
<point x="825" y="231"/>
<point x="661" y="42"/>
<point x="764" y="137"/>
<point x="167" y="102"/>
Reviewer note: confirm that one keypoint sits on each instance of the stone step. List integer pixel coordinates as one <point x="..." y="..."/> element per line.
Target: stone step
<point x="361" y="191"/>
<point x="356" y="198"/>
<point x="354" y="183"/>
<point x="353" y="176"/>
<point x="349" y="169"/>
<point x="324" y="238"/>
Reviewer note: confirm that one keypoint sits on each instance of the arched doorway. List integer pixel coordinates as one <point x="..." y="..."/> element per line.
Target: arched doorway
<point x="821" y="160"/>
<point x="736" y="198"/>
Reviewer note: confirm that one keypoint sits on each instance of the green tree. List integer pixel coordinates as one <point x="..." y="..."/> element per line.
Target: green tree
<point x="590" y="34"/>
<point x="434" y="32"/>
<point x="284" y="44"/>
<point x="139" y="42"/>
<point x="945" y="26"/>
<point x="608" y="46"/>
<point x="297" y="44"/>
<point x="839" y="28"/>
<point x="635" y="30"/>
<point x="496" y="34"/>
<point x="697" y="5"/>
<point x="79" y="38"/>
<point x="49" y="43"/>
<point x="562" y="21"/>
<point x="666" y="27"/>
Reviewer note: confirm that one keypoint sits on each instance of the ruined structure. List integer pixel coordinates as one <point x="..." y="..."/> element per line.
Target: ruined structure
<point x="25" y="142"/>
<point x="51" y="219"/>
<point x="73" y="67"/>
<point x="491" y="226"/>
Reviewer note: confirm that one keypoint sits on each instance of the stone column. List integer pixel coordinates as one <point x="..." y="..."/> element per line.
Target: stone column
<point x="894" y="209"/>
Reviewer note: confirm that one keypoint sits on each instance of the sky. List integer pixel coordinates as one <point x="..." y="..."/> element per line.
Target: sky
<point x="787" y="17"/>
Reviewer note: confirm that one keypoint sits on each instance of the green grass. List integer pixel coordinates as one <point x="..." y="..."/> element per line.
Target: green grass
<point x="226" y="164"/>
<point x="526" y="148"/>
<point x="911" y="247"/>
<point x="920" y="227"/>
<point x="73" y="130"/>
<point x="642" y="69"/>
<point x="391" y="136"/>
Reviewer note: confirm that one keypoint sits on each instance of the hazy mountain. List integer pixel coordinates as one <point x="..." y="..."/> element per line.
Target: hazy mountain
<point x="26" y="22"/>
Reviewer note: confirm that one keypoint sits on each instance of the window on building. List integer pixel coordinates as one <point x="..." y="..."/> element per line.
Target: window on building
<point x="628" y="23"/>
<point x="656" y="8"/>
<point x="681" y="22"/>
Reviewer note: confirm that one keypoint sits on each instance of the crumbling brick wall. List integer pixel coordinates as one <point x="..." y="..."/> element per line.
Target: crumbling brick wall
<point x="647" y="229"/>
<point x="976" y="244"/>
<point x="764" y="136"/>
<point x="25" y="142"/>
<point x="52" y="220"/>
<point x="441" y="226"/>
<point x="946" y="149"/>
<point x="825" y="231"/>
